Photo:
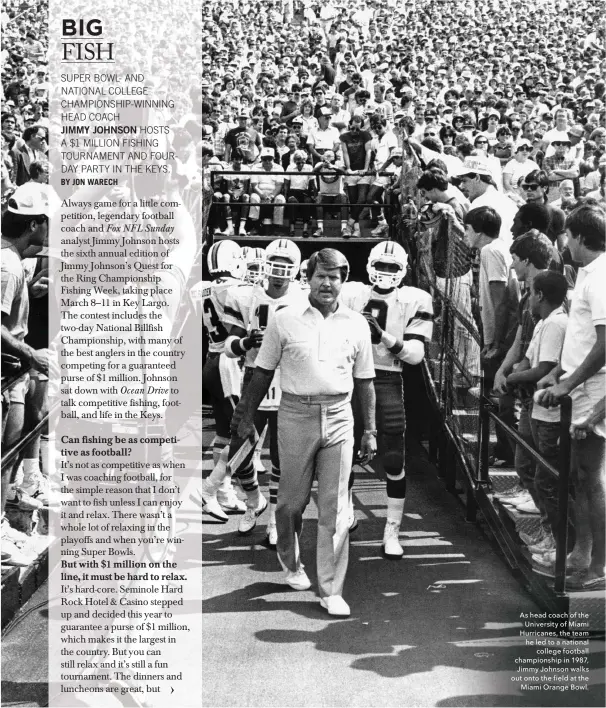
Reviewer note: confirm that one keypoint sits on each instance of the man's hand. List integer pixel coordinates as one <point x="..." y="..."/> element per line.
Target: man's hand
<point x="446" y="209"/>
<point x="492" y="352"/>
<point x="548" y="380"/>
<point x="551" y="397"/>
<point x="40" y="361"/>
<point x="39" y="285"/>
<point x="500" y="382"/>
<point x="242" y="425"/>
<point x="254" y="339"/>
<point x="375" y="329"/>
<point x="579" y="431"/>
<point x="368" y="448"/>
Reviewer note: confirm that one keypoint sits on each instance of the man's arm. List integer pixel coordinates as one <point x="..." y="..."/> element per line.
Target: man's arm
<point x="242" y="424"/>
<point x="590" y="366"/>
<point x="531" y="375"/>
<point x="512" y="357"/>
<point x="36" y="358"/>
<point x="365" y="392"/>
<point x="498" y="295"/>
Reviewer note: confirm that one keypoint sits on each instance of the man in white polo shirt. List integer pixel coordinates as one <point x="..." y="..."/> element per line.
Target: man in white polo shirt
<point x="582" y="375"/>
<point x="324" y="352"/>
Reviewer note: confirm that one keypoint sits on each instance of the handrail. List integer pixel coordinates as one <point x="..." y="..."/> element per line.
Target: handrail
<point x="344" y="173"/>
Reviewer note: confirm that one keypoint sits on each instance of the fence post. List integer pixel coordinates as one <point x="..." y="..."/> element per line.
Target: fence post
<point x="483" y="476"/>
<point x="563" y="494"/>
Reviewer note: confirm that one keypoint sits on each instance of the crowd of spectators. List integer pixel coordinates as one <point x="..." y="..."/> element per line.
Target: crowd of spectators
<point x="168" y="58"/>
<point x="500" y="108"/>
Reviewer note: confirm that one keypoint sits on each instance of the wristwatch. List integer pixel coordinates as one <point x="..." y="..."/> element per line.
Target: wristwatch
<point x="370" y="432"/>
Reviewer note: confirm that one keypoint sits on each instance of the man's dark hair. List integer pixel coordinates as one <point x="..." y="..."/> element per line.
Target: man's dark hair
<point x="432" y="180"/>
<point x="14" y="225"/>
<point x="434" y="144"/>
<point x="554" y="286"/>
<point x="37" y="168"/>
<point x="28" y="133"/>
<point x="329" y="258"/>
<point x="588" y="223"/>
<point x="534" y="216"/>
<point x="535" y="247"/>
<point x="538" y="176"/>
<point x="437" y="164"/>
<point x="484" y="220"/>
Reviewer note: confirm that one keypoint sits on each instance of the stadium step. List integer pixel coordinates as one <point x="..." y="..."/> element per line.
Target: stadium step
<point x="502" y="479"/>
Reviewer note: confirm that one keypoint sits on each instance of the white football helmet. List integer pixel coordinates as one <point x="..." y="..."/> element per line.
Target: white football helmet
<point x="387" y="252"/>
<point x="282" y="248"/>
<point x="303" y="272"/>
<point x="254" y="264"/>
<point x="225" y="257"/>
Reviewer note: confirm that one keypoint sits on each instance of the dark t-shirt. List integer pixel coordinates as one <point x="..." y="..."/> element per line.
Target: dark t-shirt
<point x="557" y="219"/>
<point x="355" y="143"/>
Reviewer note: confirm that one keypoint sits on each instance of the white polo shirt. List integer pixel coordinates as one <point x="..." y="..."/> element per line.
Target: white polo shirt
<point x="587" y="310"/>
<point x="317" y="355"/>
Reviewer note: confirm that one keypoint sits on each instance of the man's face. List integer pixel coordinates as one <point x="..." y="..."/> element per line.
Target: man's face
<point x="472" y="237"/>
<point x="8" y="126"/>
<point x="560" y="147"/>
<point x="38" y="140"/>
<point x="325" y="286"/>
<point x="266" y="163"/>
<point x="520" y="267"/>
<point x="282" y="134"/>
<point x="566" y="189"/>
<point x="469" y="185"/>
<point x="279" y="284"/>
<point x="429" y="195"/>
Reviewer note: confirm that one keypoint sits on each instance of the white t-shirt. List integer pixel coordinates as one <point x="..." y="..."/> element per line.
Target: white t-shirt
<point x="587" y="310"/>
<point x="495" y="262"/>
<point x="546" y="345"/>
<point x="504" y="207"/>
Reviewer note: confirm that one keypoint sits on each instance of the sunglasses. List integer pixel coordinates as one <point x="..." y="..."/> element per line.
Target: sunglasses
<point x="530" y="187"/>
<point x="524" y="148"/>
<point x="481" y="142"/>
<point x="558" y="143"/>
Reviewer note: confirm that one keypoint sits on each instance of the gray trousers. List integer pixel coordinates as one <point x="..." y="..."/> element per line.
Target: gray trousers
<point x="315" y="438"/>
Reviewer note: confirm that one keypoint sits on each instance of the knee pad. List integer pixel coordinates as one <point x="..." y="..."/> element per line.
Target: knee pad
<point x="391" y="451"/>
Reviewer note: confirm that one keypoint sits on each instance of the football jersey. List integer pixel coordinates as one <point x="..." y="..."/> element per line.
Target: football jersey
<point x="250" y="307"/>
<point x="406" y="313"/>
<point x="209" y="297"/>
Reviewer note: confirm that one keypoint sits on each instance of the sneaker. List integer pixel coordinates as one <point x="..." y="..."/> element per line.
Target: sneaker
<point x="12" y="555"/>
<point x="528" y="508"/>
<point x="298" y="579"/>
<point x="242" y="231"/>
<point x="318" y="233"/>
<point x="546" y="545"/>
<point x="23" y="501"/>
<point x="532" y="539"/>
<point x="306" y="230"/>
<point x="272" y="534"/>
<point x="291" y="230"/>
<point x="381" y="230"/>
<point x="210" y="504"/>
<point x="12" y="535"/>
<point x="347" y="231"/>
<point x="544" y="559"/>
<point x="520" y="499"/>
<point x="356" y="230"/>
<point x="37" y="487"/>
<point x="249" y="520"/>
<point x="391" y="543"/>
<point x="352" y="521"/>
<point x="230" y="503"/>
<point x="336" y="606"/>
<point x="542" y="565"/>
<point x="513" y="492"/>
<point x="229" y="232"/>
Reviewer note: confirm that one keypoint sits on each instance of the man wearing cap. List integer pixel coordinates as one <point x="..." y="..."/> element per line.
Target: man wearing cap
<point x="325" y="137"/>
<point x="264" y="189"/>
<point x="475" y="180"/>
<point x="561" y="165"/>
<point x="231" y="138"/>
<point x="324" y="352"/>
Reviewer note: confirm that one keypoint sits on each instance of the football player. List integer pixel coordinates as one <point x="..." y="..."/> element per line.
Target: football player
<point x="248" y="311"/>
<point x="401" y="322"/>
<point x="220" y="378"/>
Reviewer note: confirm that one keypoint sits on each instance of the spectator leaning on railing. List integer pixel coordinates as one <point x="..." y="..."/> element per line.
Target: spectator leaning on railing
<point x="582" y="375"/>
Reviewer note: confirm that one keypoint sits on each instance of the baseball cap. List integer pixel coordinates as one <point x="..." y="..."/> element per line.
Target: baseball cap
<point x="523" y="143"/>
<point x="297" y="119"/>
<point x="30" y="199"/>
<point x="267" y="152"/>
<point x="397" y="152"/>
<point x="474" y="164"/>
<point x="325" y="112"/>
